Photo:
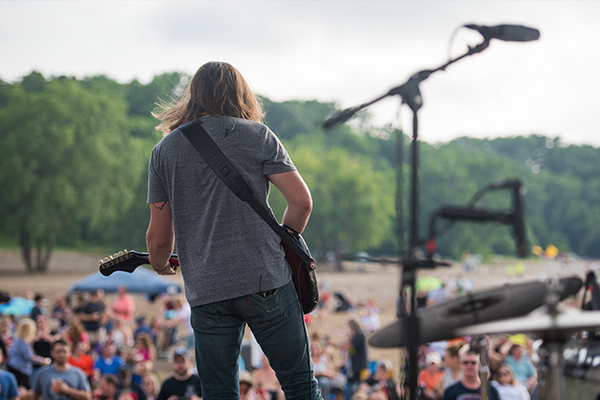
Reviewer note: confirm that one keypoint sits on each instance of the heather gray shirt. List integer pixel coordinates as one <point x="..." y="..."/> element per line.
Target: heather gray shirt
<point x="73" y="376"/>
<point x="225" y="249"/>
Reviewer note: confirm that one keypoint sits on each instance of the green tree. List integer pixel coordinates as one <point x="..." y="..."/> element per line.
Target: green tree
<point x="68" y="159"/>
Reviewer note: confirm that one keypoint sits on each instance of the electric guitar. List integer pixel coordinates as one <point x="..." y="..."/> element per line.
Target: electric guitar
<point x="128" y="261"/>
<point x="303" y="276"/>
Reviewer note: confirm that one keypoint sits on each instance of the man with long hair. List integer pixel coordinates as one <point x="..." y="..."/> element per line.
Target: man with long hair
<point x="232" y="262"/>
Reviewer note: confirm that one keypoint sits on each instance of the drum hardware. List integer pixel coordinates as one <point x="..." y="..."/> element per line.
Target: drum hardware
<point x="554" y="325"/>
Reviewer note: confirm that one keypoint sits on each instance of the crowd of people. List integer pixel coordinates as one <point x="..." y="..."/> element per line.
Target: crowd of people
<point x="91" y="349"/>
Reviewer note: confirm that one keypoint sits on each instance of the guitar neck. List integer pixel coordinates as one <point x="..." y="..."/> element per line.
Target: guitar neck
<point x="128" y="261"/>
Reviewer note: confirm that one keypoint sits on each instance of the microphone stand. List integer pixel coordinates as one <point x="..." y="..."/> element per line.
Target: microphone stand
<point x="411" y="96"/>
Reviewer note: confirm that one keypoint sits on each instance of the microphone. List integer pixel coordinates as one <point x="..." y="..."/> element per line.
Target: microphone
<point x="508" y="33"/>
<point x="339" y="118"/>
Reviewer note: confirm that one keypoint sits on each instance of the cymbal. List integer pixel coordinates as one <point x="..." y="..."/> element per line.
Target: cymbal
<point x="440" y="321"/>
<point x="540" y="324"/>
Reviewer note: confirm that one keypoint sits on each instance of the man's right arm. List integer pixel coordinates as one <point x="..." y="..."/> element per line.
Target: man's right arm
<point x="297" y="195"/>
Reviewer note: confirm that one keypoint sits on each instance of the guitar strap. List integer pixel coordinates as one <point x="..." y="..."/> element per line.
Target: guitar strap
<point x="215" y="158"/>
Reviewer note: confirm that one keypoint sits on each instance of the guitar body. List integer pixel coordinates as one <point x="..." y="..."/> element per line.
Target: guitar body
<point x="304" y="276"/>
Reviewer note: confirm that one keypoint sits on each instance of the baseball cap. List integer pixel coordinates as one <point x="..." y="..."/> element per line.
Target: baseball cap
<point x="433" y="358"/>
<point x="181" y="352"/>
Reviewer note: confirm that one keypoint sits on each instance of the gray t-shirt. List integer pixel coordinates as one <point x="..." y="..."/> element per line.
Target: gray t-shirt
<point x="225" y="249"/>
<point x="74" y="377"/>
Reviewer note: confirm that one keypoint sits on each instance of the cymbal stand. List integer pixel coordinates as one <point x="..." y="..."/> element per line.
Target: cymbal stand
<point x="479" y="344"/>
<point x="551" y="385"/>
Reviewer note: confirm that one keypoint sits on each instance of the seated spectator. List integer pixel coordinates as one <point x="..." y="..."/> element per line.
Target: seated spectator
<point x="183" y="384"/>
<point x="9" y="389"/>
<point x="108" y="362"/>
<point x="59" y="379"/>
<point x="508" y="387"/>
<point x="82" y="360"/>
<point x="431" y="376"/>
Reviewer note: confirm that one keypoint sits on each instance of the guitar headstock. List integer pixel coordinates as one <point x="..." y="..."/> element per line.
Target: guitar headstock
<point x="124" y="260"/>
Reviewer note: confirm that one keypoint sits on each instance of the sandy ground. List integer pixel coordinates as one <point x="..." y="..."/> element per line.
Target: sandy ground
<point x="359" y="282"/>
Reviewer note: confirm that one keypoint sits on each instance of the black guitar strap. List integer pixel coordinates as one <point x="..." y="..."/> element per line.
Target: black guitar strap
<point x="215" y="158"/>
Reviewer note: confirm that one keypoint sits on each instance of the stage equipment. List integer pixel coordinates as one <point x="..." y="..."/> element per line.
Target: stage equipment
<point x="411" y="96"/>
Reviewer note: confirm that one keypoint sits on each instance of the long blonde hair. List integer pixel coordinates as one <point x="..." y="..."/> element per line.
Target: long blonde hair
<point x="26" y="330"/>
<point x="217" y="88"/>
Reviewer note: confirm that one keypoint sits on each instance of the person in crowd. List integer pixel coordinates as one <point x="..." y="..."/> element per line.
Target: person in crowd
<point x="75" y="332"/>
<point x="60" y="380"/>
<point x="93" y="317"/>
<point x="9" y="389"/>
<point x="61" y="310"/>
<point x="381" y="379"/>
<point x="128" y="389"/>
<point x="204" y="211"/>
<point x="452" y="369"/>
<point x="266" y="382"/>
<point x="108" y="362"/>
<point x="151" y="385"/>
<point x="142" y="326"/>
<point x="430" y="377"/>
<point x="181" y="317"/>
<point x="21" y="357"/>
<point x="123" y="306"/>
<point x="81" y="359"/>
<point x="378" y="395"/>
<point x="144" y="348"/>
<point x="140" y="369"/>
<point x="120" y="334"/>
<point x="508" y="387"/>
<point x="108" y="388"/>
<point x="324" y="370"/>
<point x="6" y="335"/>
<point x="471" y="383"/>
<point x="183" y="384"/>
<point x="357" y="349"/>
<point x="44" y="338"/>
<point x="522" y="367"/>
<point x="38" y="308"/>
<point x="247" y="391"/>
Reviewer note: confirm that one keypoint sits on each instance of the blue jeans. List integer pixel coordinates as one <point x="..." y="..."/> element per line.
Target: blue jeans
<point x="277" y="323"/>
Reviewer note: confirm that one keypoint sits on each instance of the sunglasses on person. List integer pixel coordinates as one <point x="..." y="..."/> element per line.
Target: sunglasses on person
<point x="469" y="362"/>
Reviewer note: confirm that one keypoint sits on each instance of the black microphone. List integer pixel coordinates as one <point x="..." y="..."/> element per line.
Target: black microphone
<point x="508" y="33"/>
<point x="339" y="118"/>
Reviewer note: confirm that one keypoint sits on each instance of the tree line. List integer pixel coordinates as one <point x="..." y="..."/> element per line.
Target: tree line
<point x="73" y="172"/>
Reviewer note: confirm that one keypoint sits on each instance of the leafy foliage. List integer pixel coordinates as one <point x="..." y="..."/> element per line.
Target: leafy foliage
<point x="73" y="167"/>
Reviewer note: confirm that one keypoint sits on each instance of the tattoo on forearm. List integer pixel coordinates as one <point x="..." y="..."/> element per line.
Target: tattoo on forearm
<point x="159" y="207"/>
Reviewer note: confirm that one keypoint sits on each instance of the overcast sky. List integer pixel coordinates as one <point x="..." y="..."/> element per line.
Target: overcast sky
<point x="349" y="52"/>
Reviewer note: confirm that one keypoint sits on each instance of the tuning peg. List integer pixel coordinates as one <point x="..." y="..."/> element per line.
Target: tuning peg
<point x="105" y="259"/>
<point x="120" y="253"/>
<point x="100" y="261"/>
